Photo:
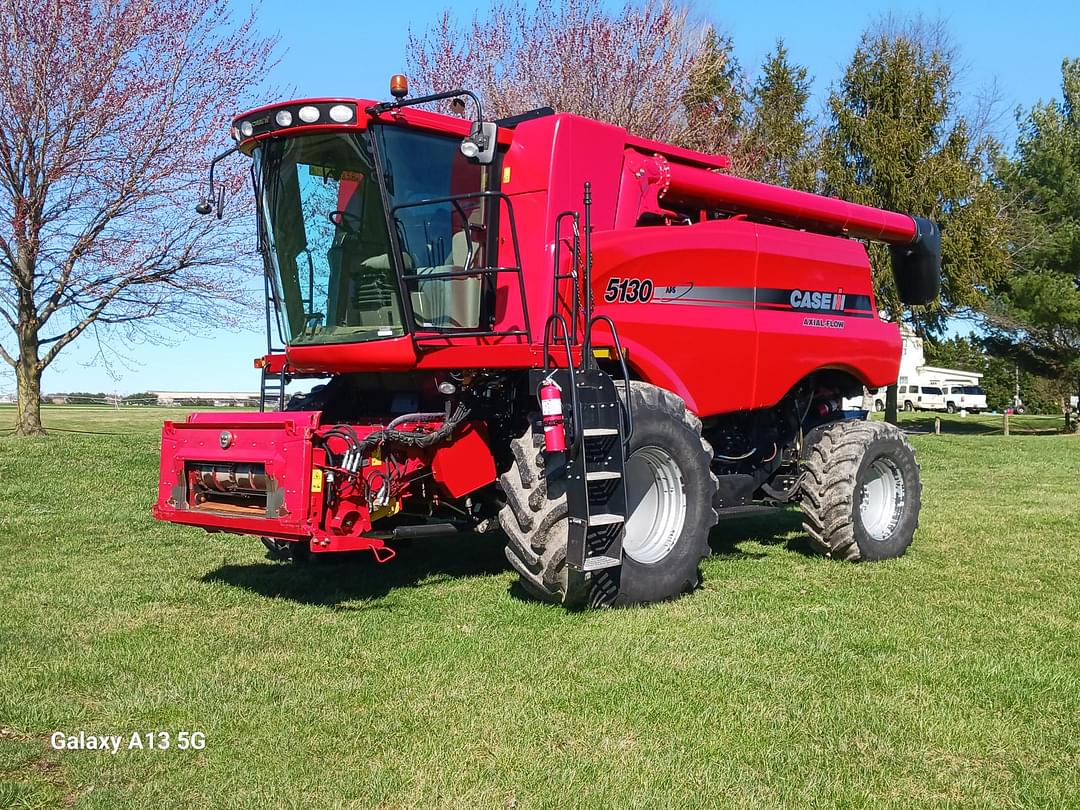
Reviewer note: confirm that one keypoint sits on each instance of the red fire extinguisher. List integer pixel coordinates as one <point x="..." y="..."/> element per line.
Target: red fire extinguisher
<point x="552" y="413"/>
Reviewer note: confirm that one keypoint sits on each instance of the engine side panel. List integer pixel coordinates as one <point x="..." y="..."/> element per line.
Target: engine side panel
<point x="695" y="333"/>
<point x="800" y="331"/>
<point x="731" y="314"/>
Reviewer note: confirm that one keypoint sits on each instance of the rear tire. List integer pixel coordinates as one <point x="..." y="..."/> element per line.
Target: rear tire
<point x="861" y="490"/>
<point x="667" y="454"/>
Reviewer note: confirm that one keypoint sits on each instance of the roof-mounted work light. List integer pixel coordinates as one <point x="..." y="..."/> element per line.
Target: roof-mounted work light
<point x="478" y="145"/>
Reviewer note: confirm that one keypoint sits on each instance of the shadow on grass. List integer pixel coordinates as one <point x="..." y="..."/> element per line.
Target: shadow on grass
<point x="332" y="580"/>
<point x="767" y="528"/>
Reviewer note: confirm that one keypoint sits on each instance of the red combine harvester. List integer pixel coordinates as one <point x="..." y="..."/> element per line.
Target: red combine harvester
<point x="594" y="342"/>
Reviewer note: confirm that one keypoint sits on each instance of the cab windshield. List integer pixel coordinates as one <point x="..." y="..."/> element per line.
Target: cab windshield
<point x="332" y="262"/>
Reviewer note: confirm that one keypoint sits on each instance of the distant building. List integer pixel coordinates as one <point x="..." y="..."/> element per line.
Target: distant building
<point x="913" y="368"/>
<point x="221" y="399"/>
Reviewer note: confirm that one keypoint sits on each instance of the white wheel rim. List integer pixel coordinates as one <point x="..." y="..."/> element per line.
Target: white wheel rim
<point x="656" y="504"/>
<point x="881" y="498"/>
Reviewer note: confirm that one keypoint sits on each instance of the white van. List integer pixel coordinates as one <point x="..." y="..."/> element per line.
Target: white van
<point x="969" y="398"/>
<point x="920" y="398"/>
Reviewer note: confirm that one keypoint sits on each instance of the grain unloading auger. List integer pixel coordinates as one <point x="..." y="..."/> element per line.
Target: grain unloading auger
<point x="545" y="325"/>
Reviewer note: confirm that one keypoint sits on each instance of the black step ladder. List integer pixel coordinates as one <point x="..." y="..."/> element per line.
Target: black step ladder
<point x="599" y="427"/>
<point x="597" y="418"/>
<point x="272" y="391"/>
<point x="595" y="489"/>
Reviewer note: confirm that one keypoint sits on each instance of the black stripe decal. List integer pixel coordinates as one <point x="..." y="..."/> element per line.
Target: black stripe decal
<point x="768" y="298"/>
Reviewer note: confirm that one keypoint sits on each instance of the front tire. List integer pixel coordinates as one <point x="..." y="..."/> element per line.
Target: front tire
<point x="950" y="408"/>
<point x="861" y="490"/>
<point x="670" y="489"/>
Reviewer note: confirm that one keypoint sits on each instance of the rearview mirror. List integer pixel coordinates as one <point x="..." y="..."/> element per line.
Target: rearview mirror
<point x="480" y="145"/>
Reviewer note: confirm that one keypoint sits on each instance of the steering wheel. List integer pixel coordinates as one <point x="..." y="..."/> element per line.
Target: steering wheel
<point x="342" y="219"/>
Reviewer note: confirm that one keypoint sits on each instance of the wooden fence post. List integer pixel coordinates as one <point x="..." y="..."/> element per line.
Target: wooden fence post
<point x="1006" y="423"/>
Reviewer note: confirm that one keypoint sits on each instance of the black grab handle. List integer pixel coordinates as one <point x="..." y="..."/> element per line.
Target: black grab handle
<point x="586" y="353"/>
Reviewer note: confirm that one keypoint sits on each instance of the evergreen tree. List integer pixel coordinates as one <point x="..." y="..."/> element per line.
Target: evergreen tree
<point x="895" y="139"/>
<point x="779" y="145"/>
<point x="714" y="99"/>
<point x="1036" y="320"/>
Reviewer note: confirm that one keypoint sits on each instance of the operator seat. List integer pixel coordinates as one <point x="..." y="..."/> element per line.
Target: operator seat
<point x="453" y="302"/>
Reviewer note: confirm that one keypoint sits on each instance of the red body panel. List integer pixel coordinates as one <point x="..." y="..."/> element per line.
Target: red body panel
<point x="281" y="441"/>
<point x="719" y="354"/>
<point x="726" y="291"/>
<point x="465" y="464"/>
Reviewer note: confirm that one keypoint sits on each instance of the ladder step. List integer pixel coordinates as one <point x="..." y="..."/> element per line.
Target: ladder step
<point x="602" y="475"/>
<point x="598" y="563"/>
<point x="605" y="519"/>
<point x="590" y="432"/>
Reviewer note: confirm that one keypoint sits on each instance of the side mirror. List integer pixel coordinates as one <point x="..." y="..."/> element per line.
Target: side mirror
<point x="208" y="204"/>
<point x="480" y="144"/>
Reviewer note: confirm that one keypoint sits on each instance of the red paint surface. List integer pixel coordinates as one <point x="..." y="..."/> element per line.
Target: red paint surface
<point x="719" y="358"/>
<point x="722" y="326"/>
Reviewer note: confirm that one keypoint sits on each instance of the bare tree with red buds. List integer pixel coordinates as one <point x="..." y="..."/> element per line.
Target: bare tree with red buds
<point x="109" y="113"/>
<point x="648" y="67"/>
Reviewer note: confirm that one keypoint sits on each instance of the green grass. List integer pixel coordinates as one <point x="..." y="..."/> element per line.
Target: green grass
<point x="949" y="677"/>
<point x="103" y="419"/>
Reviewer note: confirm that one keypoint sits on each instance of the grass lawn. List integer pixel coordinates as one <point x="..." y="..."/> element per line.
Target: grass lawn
<point x="949" y="677"/>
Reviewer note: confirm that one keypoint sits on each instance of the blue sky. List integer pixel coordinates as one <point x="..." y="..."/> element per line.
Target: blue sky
<point x="351" y="48"/>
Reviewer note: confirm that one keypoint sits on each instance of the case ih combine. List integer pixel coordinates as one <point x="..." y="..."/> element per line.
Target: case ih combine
<point x="545" y="325"/>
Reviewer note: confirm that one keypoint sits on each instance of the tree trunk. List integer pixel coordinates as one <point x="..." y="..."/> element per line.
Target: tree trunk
<point x="890" y="405"/>
<point x="28" y="410"/>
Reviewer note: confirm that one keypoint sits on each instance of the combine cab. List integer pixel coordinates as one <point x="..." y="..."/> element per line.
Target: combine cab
<point x="545" y="325"/>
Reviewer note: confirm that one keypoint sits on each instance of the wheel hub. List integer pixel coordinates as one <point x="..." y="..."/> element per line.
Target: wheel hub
<point x="656" y="503"/>
<point x="881" y="498"/>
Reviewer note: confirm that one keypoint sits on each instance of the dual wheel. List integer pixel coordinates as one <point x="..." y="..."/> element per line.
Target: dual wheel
<point x="860" y="495"/>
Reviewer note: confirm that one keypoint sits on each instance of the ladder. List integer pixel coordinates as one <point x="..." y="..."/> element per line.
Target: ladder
<point x="272" y="391"/>
<point x="595" y="489"/>
<point x="599" y="424"/>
